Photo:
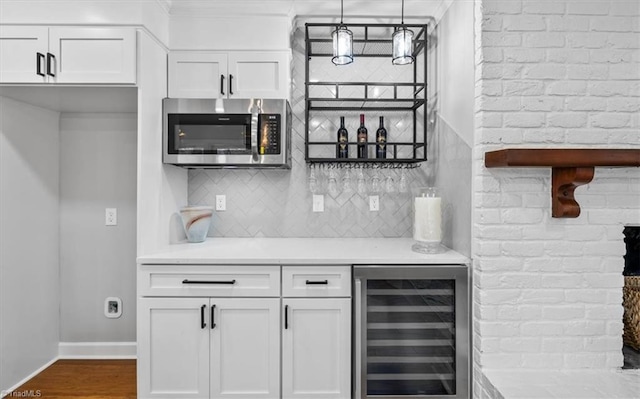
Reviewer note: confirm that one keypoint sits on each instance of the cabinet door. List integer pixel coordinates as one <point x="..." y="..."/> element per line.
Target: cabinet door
<point x="245" y="348"/>
<point x="19" y="49"/>
<point x="94" y="55"/>
<point x="316" y="352"/>
<point x="259" y="74"/>
<point x="173" y="348"/>
<point x="197" y="75"/>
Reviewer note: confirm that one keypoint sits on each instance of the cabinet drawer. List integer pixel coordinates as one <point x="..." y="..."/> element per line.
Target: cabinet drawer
<point x="316" y="281"/>
<point x="219" y="281"/>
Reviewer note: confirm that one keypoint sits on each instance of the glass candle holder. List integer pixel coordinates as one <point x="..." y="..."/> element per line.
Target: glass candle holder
<point x="427" y="221"/>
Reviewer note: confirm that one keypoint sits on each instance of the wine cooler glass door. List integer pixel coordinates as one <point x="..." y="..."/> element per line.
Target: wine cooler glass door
<point x="413" y="326"/>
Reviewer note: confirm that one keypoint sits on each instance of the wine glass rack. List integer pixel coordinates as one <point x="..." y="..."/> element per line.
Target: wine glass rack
<point x="402" y="97"/>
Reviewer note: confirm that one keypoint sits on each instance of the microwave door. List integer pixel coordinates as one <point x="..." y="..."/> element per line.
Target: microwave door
<point x="209" y="134"/>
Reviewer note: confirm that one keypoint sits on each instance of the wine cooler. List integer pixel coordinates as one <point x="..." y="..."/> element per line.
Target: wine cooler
<point x="411" y="332"/>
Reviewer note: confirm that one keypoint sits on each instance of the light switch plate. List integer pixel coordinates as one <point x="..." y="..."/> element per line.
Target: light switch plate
<point x="221" y="202"/>
<point x="318" y="203"/>
<point x="110" y="217"/>
<point x="374" y="203"/>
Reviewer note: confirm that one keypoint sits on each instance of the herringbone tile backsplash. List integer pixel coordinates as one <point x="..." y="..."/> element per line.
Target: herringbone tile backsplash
<point x="278" y="203"/>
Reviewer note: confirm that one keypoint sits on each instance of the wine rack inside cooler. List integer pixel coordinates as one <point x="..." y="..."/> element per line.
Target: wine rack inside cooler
<point x="410" y="337"/>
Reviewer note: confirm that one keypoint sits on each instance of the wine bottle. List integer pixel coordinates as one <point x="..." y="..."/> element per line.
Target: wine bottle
<point x="342" y="149"/>
<point x="363" y="149"/>
<point x="381" y="140"/>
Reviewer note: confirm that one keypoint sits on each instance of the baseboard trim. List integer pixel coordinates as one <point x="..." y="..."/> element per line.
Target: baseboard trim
<point x="27" y="378"/>
<point x="97" y="350"/>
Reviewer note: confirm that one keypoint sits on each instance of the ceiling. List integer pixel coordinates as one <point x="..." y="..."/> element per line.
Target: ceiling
<point x="308" y="8"/>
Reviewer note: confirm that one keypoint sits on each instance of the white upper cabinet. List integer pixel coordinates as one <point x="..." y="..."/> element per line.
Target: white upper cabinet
<point x="241" y="74"/>
<point x="23" y="51"/>
<point x="88" y="55"/>
<point x="258" y="75"/>
<point x="197" y="75"/>
<point x="94" y="55"/>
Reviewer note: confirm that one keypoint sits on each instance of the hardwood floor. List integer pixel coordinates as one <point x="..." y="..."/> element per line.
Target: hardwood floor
<point x="90" y="379"/>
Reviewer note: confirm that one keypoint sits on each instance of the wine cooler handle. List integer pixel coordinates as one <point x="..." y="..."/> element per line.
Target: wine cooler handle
<point x="213" y="319"/>
<point x="230" y="84"/>
<point x="51" y="59"/>
<point x="202" y="322"/>
<point x="286" y="317"/>
<point x="357" y="342"/>
<point x="322" y="282"/>
<point x="39" y="60"/>
<point x="222" y="85"/>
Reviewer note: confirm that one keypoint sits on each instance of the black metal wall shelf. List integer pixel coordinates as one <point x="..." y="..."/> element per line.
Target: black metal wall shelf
<point x="322" y="98"/>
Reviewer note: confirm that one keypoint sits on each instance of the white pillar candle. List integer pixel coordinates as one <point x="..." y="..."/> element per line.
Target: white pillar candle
<point x="427" y="219"/>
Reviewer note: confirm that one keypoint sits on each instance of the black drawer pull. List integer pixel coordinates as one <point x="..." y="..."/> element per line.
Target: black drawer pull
<point x="222" y="85"/>
<point x="231" y="84"/>
<point x="286" y="317"/>
<point x="213" y="323"/>
<point x="39" y="60"/>
<point x="202" y="323"/>
<point x="322" y="282"/>
<point x="51" y="59"/>
<point x="229" y="282"/>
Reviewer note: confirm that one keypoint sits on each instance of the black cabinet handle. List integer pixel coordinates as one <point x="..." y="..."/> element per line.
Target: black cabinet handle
<point x="39" y="59"/>
<point x="222" y="84"/>
<point x="286" y="317"/>
<point x="202" y="323"/>
<point x="231" y="84"/>
<point x="322" y="282"/>
<point x="229" y="282"/>
<point x="51" y="59"/>
<point x="213" y="324"/>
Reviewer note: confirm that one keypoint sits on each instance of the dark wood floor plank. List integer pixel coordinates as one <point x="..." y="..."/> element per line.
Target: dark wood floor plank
<point x="90" y="379"/>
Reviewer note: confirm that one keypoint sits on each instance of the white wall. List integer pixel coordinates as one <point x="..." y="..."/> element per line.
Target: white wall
<point x="230" y="32"/>
<point x="29" y="223"/>
<point x="553" y="74"/>
<point x="453" y="122"/>
<point x="456" y="79"/>
<point x="162" y="189"/>
<point x="147" y="13"/>
<point x="97" y="171"/>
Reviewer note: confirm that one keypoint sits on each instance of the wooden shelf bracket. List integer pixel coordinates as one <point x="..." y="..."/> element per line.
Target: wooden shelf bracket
<point x="570" y="168"/>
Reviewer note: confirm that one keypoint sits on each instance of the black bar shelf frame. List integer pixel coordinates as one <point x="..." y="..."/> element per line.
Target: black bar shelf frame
<point x="367" y="44"/>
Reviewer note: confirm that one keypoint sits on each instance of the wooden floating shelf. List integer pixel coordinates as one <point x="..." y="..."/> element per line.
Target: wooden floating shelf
<point x="570" y="168"/>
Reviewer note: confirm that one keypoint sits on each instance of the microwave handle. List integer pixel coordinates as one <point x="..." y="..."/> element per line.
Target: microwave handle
<point x="357" y="342"/>
<point x="254" y="133"/>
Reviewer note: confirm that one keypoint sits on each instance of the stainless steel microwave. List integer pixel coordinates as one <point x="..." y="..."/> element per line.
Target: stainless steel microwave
<point x="217" y="133"/>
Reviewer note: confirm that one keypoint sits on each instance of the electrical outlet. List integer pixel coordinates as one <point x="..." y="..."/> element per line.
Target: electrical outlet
<point x="374" y="203"/>
<point x="113" y="307"/>
<point x="318" y="203"/>
<point x="110" y="217"/>
<point x="221" y="202"/>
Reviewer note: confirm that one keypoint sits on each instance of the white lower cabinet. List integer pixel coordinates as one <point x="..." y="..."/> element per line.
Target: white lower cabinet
<point x="222" y="332"/>
<point x="209" y="348"/>
<point x="316" y="347"/>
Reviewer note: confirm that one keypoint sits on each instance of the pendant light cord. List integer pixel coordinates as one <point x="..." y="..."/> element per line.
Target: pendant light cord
<point x="402" y="12"/>
<point x="342" y="10"/>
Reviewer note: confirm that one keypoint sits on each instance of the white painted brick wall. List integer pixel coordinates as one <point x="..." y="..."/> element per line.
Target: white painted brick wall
<point x="547" y="292"/>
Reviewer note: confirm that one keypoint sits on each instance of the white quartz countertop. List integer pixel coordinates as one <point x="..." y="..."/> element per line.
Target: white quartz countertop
<point x="299" y="251"/>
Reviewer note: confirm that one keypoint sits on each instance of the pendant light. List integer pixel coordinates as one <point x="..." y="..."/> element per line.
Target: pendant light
<point x="342" y="42"/>
<point x="402" y="40"/>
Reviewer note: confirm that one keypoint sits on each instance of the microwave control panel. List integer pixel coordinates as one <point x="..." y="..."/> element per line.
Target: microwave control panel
<point x="269" y="133"/>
